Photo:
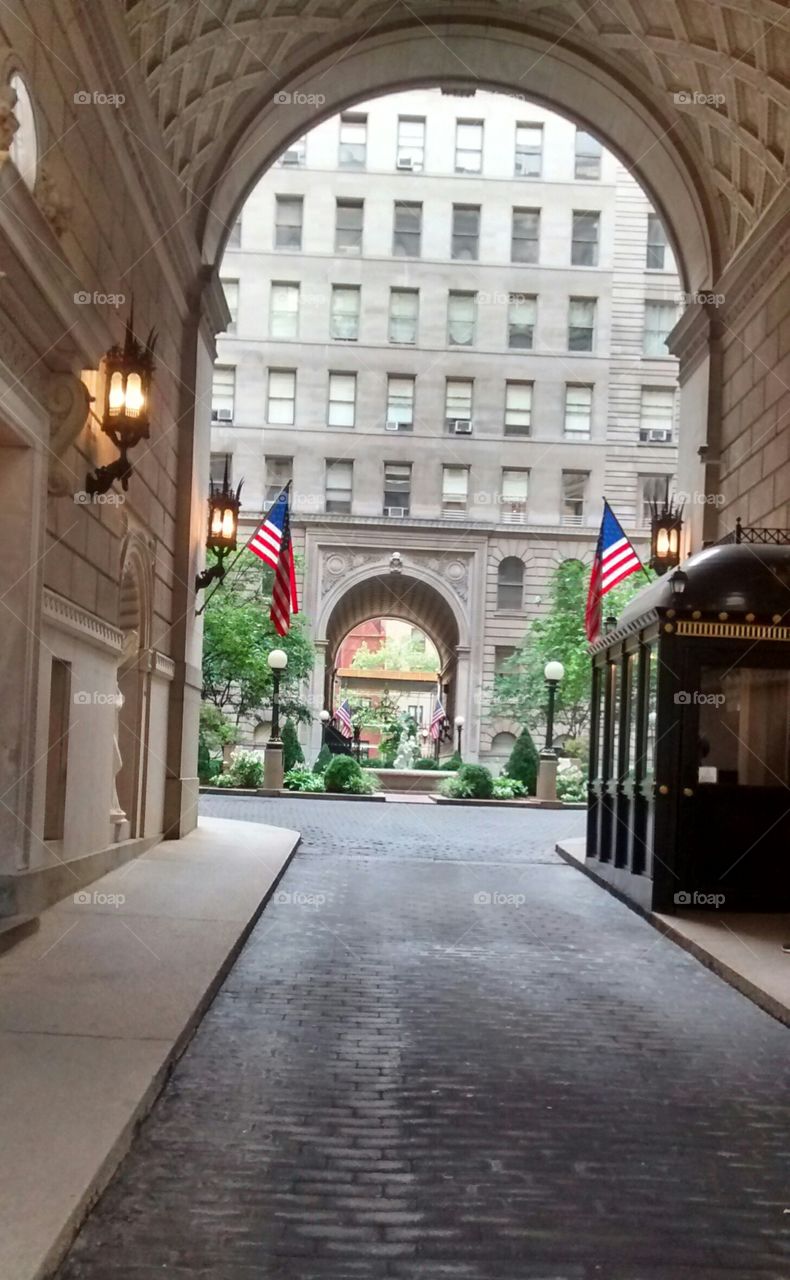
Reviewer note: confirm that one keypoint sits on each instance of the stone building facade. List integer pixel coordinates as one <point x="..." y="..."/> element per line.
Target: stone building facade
<point x="449" y="323"/>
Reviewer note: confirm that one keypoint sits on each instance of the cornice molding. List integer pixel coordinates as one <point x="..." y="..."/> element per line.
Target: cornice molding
<point x="77" y="622"/>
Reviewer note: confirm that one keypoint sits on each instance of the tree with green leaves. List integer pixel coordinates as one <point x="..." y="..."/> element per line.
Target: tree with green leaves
<point x="238" y="636"/>
<point x="397" y="655"/>
<point x="292" y="752"/>
<point x="523" y="762"/>
<point x="519" y="691"/>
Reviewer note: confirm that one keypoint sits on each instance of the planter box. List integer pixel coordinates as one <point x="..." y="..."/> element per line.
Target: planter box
<point x="228" y="791"/>
<point x="422" y="780"/>
<point x="529" y="803"/>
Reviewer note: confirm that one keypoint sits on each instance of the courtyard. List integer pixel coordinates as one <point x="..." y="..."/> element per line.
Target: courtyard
<point x="444" y="1052"/>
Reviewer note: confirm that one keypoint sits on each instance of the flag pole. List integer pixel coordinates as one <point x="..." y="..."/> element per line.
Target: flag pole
<point x="241" y="551"/>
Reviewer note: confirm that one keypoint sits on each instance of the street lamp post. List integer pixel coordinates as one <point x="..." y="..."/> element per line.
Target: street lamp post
<point x="325" y="717"/>
<point x="459" y="728"/>
<point x="553" y="673"/>
<point x="273" y="755"/>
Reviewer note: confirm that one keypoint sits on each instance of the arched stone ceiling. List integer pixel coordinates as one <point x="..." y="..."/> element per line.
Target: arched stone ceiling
<point x="395" y="596"/>
<point x="208" y="64"/>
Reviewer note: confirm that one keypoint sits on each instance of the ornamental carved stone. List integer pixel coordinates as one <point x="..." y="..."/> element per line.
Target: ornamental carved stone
<point x="68" y="401"/>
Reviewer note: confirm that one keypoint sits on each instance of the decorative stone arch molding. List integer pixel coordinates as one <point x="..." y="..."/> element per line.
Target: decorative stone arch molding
<point x="136" y="588"/>
<point x="490" y="729"/>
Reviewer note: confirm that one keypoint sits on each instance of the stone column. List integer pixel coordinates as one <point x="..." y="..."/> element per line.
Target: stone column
<point x="317" y="702"/>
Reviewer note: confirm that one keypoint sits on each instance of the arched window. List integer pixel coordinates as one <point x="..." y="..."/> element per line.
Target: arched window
<point x="24" y="147"/>
<point x="510" y="583"/>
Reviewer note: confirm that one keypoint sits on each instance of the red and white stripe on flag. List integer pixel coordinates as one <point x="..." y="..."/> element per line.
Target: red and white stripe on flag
<point x="615" y="560"/>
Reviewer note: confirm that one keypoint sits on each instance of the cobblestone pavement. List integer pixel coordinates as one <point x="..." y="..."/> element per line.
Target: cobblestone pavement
<point x="446" y="1055"/>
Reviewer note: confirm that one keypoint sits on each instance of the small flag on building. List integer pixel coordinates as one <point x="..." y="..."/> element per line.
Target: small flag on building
<point x="615" y="560"/>
<point x="437" y="719"/>
<point x="271" y="543"/>
<point x="343" y="717"/>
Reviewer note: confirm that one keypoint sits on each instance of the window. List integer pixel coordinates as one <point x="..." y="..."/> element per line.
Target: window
<point x="502" y="654"/>
<point x="518" y="408"/>
<point x="578" y="410"/>
<point x="288" y="215"/>
<point x="404" y="313"/>
<point x="525" y="239"/>
<point x="282" y="397"/>
<point x="740" y="705"/>
<point x="468" y="146"/>
<point x="337" y="486"/>
<point x="656" y="243"/>
<point x="656" y="415"/>
<point x="466" y="232"/>
<point x="510" y="583"/>
<point x="529" y="150"/>
<point x="234" y="239"/>
<point x="461" y="316"/>
<point x="284" y="311"/>
<point x="279" y="473"/>
<point x="231" y="290"/>
<point x="57" y="749"/>
<point x="653" y="490"/>
<point x="344" y="312"/>
<point x="581" y="324"/>
<point x="574" y="489"/>
<point x="411" y="143"/>
<point x="455" y="490"/>
<point x="295" y="155"/>
<point x="348" y="226"/>
<point x="407" y="232"/>
<point x="521" y="316"/>
<point x="342" y="399"/>
<point x="223" y="393"/>
<point x="659" y="322"/>
<point x="400" y="403"/>
<point x="587" y="156"/>
<point x="24" y="144"/>
<point x="220" y="465"/>
<point x="353" y="141"/>
<point x="514" y="496"/>
<point x="458" y="402"/>
<point x="397" y="488"/>
<point x="586" y="232"/>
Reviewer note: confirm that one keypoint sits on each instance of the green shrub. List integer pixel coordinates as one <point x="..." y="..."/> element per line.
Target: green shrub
<point x="523" y="762"/>
<point x="472" y="782"/>
<point x="345" y="777"/>
<point x="452" y="762"/>
<point x="292" y="752"/>
<point x="303" y="779"/>
<point x="322" y="759"/>
<point x="426" y="762"/>
<point x="224" y="780"/>
<point x="571" y="782"/>
<point x="246" y="768"/>
<point x="508" y="788"/>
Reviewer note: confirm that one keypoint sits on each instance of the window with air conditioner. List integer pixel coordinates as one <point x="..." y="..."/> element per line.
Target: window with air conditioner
<point x="338" y="486"/>
<point x="518" y="408"/>
<point x="656" y="256"/>
<point x="345" y="312"/>
<point x="223" y="393"/>
<point x="397" y="489"/>
<point x="403" y="315"/>
<point x="466" y="232"/>
<point x="510" y="584"/>
<point x="341" y="411"/>
<point x="284" y="311"/>
<point x="585" y="237"/>
<point x="578" y="410"/>
<point x="353" y="141"/>
<point x="461" y="319"/>
<point x="282" y="397"/>
<point x="410" y="153"/>
<point x="653" y="492"/>
<point x="458" y="405"/>
<point x="574" y="493"/>
<point x="295" y="155"/>
<point x="529" y="150"/>
<point x="468" y="146"/>
<point x="656" y="415"/>
<point x="279" y="473"/>
<point x="231" y="290"/>
<point x="521" y="316"/>
<point x="587" y="156"/>
<point x="513" y="498"/>
<point x="400" y="403"/>
<point x="581" y="324"/>
<point x="659" y="322"/>
<point x="288" y="215"/>
<point x="455" y="490"/>
<point x="407" y="229"/>
<point x="349" y="216"/>
<point x="525" y="239"/>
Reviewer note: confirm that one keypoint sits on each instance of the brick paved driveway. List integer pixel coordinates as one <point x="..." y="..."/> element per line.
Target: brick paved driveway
<point x="446" y="1055"/>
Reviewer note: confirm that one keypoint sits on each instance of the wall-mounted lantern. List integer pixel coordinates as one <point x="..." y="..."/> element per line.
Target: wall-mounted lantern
<point x="665" y="528"/>
<point x="126" y="415"/>
<point x="223" y="527"/>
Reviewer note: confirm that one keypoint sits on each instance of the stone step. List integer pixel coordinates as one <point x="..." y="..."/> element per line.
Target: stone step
<point x="14" y="928"/>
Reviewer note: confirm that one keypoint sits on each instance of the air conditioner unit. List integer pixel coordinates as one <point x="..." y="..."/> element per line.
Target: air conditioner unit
<point x="397" y="426"/>
<point x="461" y="426"/>
<point x="395" y="511"/>
<point x="404" y="162"/>
<point x="223" y="415"/>
<point x="291" y="157"/>
<point x="658" y="435"/>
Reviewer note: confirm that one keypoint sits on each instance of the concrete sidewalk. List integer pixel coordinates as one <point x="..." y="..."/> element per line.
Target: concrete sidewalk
<point x="743" y="948"/>
<point x="96" y="1006"/>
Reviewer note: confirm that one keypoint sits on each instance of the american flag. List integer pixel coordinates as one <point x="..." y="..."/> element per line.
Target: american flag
<point x="437" y="719"/>
<point x="615" y="560"/>
<point x="343" y="717"/>
<point x="271" y="543"/>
